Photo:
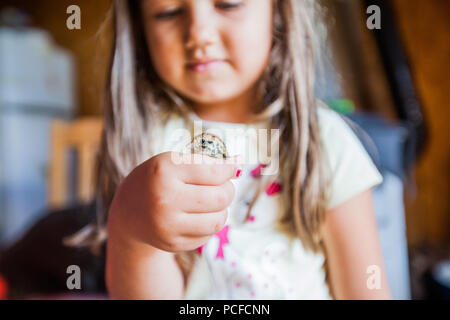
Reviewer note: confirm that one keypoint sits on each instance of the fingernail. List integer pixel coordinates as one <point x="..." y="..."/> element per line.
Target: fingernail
<point x="238" y="173"/>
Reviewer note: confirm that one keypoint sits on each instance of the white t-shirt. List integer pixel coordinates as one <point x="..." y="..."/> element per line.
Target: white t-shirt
<point x="252" y="260"/>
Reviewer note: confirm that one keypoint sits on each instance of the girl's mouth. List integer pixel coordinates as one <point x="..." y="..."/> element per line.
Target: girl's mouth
<point x="204" y="66"/>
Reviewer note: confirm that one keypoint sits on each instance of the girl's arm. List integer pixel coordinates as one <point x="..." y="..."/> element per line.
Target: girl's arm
<point x="135" y="270"/>
<point x="155" y="212"/>
<point x="355" y="259"/>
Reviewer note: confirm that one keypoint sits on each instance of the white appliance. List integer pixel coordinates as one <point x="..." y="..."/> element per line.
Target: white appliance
<point x="36" y="86"/>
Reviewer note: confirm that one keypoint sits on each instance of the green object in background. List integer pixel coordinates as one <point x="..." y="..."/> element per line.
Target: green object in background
<point x="343" y="106"/>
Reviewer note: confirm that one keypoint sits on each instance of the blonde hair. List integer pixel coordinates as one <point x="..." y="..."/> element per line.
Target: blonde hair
<point x="135" y="96"/>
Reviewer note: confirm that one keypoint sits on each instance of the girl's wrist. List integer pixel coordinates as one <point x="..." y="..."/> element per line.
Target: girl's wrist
<point x="122" y="235"/>
<point x="119" y="229"/>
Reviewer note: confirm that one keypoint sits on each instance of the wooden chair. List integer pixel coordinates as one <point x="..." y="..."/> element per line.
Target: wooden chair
<point x="82" y="135"/>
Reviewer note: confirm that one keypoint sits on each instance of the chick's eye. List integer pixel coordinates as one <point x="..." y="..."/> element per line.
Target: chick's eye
<point x="224" y="5"/>
<point x="168" y="14"/>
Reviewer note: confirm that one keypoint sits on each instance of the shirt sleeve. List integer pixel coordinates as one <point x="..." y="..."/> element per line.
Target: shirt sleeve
<point x="351" y="170"/>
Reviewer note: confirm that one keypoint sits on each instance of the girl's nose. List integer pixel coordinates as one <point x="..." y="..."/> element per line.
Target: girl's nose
<point x="198" y="37"/>
<point x="200" y="29"/>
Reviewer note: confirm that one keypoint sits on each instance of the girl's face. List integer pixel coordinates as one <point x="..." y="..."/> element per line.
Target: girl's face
<point x="209" y="50"/>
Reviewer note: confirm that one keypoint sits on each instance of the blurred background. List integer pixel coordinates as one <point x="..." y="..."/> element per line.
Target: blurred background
<point x="392" y="82"/>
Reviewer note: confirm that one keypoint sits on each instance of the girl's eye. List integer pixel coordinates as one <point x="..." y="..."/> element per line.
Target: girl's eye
<point x="168" y="14"/>
<point x="228" y="5"/>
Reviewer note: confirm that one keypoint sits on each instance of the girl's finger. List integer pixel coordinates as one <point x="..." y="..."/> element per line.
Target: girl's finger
<point x="193" y="243"/>
<point x="203" y="224"/>
<point x="204" y="170"/>
<point x="203" y="199"/>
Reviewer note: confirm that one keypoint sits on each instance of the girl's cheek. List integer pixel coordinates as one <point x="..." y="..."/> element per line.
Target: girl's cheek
<point x="251" y="50"/>
<point x="165" y="53"/>
<point x="251" y="39"/>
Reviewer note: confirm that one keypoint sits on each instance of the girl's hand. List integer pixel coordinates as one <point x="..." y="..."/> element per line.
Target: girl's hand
<point x="175" y="207"/>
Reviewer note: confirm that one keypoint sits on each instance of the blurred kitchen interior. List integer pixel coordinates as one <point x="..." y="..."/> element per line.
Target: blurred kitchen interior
<point x="366" y="81"/>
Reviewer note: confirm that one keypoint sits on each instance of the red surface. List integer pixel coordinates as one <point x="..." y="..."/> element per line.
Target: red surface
<point x="3" y="288"/>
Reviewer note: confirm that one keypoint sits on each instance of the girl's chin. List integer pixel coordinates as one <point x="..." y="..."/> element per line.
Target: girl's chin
<point x="210" y="97"/>
<point x="210" y="101"/>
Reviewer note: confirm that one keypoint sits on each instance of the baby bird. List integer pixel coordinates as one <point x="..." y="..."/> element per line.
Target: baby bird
<point x="208" y="144"/>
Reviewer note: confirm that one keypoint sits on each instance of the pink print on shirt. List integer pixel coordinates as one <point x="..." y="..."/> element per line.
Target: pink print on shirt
<point x="255" y="173"/>
<point x="274" y="188"/>
<point x="223" y="239"/>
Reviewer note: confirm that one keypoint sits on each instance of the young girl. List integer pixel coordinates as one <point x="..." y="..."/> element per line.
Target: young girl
<point x="228" y="230"/>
